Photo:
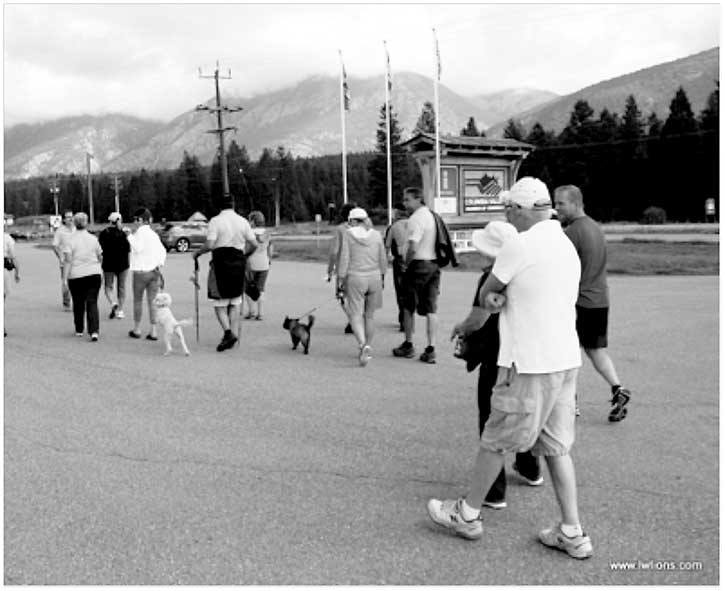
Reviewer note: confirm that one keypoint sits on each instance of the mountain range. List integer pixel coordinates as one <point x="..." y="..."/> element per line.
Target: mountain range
<point x="305" y="119"/>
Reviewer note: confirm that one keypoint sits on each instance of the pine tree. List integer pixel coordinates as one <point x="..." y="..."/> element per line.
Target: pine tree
<point x="539" y="137"/>
<point x="654" y="125"/>
<point x="710" y="115"/>
<point x="580" y="129"/>
<point x="470" y="130"/>
<point x="427" y="120"/>
<point x="632" y="125"/>
<point x="606" y="129"/>
<point x="377" y="188"/>
<point x="514" y="130"/>
<point x="681" y="119"/>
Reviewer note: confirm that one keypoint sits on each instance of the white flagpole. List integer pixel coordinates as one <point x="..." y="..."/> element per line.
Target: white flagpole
<point x="436" y="79"/>
<point x="343" y="76"/>
<point x="387" y="131"/>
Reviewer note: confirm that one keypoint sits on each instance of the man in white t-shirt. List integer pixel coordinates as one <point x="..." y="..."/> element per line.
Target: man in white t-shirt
<point x="532" y="405"/>
<point x="61" y="239"/>
<point x="230" y="239"/>
<point x="421" y="275"/>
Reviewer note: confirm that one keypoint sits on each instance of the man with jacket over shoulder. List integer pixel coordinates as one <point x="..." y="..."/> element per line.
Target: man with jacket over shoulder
<point x="230" y="240"/>
<point x="421" y="275"/>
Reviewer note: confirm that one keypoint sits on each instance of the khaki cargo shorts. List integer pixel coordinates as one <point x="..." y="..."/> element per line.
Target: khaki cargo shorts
<point x="531" y="411"/>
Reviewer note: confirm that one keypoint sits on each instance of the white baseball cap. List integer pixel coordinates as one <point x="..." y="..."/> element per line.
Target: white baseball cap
<point x="357" y="213"/>
<point x="114" y="217"/>
<point x="529" y="193"/>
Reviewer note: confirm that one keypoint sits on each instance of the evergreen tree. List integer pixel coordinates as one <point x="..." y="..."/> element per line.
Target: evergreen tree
<point x="377" y="186"/>
<point x="631" y="125"/>
<point x="427" y="119"/>
<point x="470" y="130"/>
<point x="654" y="125"/>
<point x="681" y="119"/>
<point x="581" y="127"/>
<point x="607" y="128"/>
<point x="539" y="137"/>
<point x="514" y="130"/>
<point x="710" y="115"/>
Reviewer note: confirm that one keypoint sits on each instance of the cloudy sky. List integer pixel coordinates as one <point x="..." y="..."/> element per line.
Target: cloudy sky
<point x="143" y="59"/>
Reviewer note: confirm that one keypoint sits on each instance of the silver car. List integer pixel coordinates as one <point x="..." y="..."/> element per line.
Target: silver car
<point x="183" y="235"/>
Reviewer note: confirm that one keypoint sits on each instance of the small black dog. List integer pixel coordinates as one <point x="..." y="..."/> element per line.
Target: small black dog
<point x="299" y="332"/>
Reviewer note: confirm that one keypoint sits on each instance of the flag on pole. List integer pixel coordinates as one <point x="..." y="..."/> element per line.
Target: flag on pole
<point x="345" y="89"/>
<point x="388" y="74"/>
<point x="438" y="56"/>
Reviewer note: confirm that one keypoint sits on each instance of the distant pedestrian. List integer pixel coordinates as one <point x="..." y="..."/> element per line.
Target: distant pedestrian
<point x="116" y="249"/>
<point x="361" y="273"/>
<point x="258" y="264"/>
<point x="532" y="406"/>
<point x="12" y="270"/>
<point x="592" y="305"/>
<point x="231" y="240"/>
<point x="333" y="259"/>
<point x="82" y="260"/>
<point x="61" y="238"/>
<point x="148" y="256"/>
<point x="421" y="277"/>
<point x="396" y="243"/>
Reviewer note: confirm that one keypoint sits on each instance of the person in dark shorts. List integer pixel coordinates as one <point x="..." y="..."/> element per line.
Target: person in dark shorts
<point x="592" y="306"/>
<point x="421" y="276"/>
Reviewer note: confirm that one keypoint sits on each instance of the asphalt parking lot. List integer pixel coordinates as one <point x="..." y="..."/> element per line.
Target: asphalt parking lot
<point x="261" y="465"/>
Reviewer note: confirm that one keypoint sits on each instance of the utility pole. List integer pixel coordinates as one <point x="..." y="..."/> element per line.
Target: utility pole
<point x="90" y="187"/>
<point x="116" y="188"/>
<point x="220" y="129"/>
<point x="54" y="190"/>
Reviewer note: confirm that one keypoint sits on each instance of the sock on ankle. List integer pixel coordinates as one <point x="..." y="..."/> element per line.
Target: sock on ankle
<point x="469" y="513"/>
<point x="571" y="531"/>
<point x="615" y="388"/>
<point x="227" y="333"/>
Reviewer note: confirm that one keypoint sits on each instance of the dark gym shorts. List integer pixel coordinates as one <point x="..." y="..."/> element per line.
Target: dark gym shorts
<point x="591" y="326"/>
<point x="421" y="283"/>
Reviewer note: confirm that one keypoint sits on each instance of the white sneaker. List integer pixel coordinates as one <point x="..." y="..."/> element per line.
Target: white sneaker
<point x="120" y="314"/>
<point x="365" y="355"/>
<point x="576" y="547"/>
<point x="494" y="504"/>
<point x="448" y="514"/>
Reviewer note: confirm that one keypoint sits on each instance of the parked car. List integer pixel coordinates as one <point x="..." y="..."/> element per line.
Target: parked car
<point x="183" y="235"/>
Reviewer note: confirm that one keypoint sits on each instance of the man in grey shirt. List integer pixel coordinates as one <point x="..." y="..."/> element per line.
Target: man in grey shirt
<point x="592" y="306"/>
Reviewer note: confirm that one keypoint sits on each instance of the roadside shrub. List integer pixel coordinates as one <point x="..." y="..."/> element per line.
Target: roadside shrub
<point x="654" y="215"/>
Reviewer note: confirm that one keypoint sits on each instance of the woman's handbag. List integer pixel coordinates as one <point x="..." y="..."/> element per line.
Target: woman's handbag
<point x="9" y="264"/>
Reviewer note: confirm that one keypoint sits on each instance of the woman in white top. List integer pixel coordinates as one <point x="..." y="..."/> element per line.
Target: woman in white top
<point x="258" y="264"/>
<point x="82" y="273"/>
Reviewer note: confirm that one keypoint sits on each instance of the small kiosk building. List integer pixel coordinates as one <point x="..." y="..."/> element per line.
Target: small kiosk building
<point x="474" y="172"/>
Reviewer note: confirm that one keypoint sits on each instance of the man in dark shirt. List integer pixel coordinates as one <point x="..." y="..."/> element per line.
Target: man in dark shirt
<point x="592" y="306"/>
<point x="115" y="265"/>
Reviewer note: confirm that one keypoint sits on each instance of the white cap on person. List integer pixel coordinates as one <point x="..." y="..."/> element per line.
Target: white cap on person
<point x="357" y="213"/>
<point x="529" y="193"/>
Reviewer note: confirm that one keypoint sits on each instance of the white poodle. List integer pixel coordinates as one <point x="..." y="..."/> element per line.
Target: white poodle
<point x="169" y="325"/>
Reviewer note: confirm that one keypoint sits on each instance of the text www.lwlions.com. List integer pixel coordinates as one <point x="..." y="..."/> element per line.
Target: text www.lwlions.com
<point x="656" y="565"/>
